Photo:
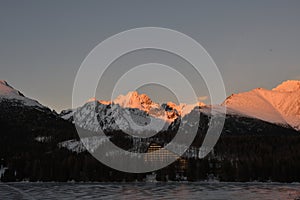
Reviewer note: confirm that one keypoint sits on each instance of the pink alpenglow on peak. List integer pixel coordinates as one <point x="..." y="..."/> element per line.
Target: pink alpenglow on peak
<point x="280" y="105"/>
<point x="8" y="92"/>
<point x="288" y="86"/>
<point x="104" y="102"/>
<point x="136" y="100"/>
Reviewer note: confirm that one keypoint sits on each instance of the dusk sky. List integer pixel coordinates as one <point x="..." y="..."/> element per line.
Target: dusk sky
<point x="42" y="43"/>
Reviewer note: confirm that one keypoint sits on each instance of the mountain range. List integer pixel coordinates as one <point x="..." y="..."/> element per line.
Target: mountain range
<point x="259" y="111"/>
<point x="39" y="144"/>
<point x="280" y="106"/>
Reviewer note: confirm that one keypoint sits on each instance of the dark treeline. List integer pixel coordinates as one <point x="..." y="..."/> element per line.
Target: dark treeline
<point x="235" y="158"/>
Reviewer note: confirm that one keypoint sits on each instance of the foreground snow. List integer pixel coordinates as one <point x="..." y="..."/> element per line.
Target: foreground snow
<point x="88" y="143"/>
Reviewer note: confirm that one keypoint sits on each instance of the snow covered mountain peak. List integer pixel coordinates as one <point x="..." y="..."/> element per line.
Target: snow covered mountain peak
<point x="135" y="100"/>
<point x="8" y="92"/>
<point x="288" y="86"/>
<point x="3" y="82"/>
<point x="280" y="105"/>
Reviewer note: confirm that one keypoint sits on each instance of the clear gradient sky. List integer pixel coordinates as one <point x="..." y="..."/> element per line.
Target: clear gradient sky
<point x="42" y="43"/>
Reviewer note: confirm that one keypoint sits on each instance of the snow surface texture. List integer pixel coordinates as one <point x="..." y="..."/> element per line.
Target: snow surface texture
<point x="280" y="105"/>
<point x="8" y="92"/>
<point x="88" y="143"/>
